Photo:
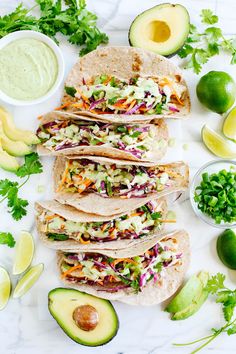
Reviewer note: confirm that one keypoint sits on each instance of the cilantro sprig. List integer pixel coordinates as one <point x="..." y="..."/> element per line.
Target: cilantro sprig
<point x="9" y="189"/>
<point x="68" y="17"/>
<point x="226" y="297"/>
<point x="6" y="238"/>
<point x="201" y="46"/>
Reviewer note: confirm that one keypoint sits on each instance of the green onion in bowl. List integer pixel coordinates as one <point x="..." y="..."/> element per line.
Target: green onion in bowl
<point x="213" y="193"/>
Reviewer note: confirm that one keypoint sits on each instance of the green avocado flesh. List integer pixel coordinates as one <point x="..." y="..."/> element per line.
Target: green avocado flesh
<point x="8" y="162"/>
<point x="62" y="303"/>
<point x="190" y="298"/>
<point x="163" y="29"/>
<point x="15" y="148"/>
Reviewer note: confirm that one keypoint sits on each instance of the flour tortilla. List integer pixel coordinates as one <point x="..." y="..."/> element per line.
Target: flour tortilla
<point x="100" y="150"/>
<point x="72" y="214"/>
<point x="125" y="63"/>
<point x="152" y="294"/>
<point x="94" y="203"/>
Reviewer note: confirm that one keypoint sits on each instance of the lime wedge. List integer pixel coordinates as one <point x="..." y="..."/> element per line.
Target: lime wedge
<point x="5" y="287"/>
<point x="229" y="126"/>
<point x="217" y="144"/>
<point x="28" y="280"/>
<point x="24" y="253"/>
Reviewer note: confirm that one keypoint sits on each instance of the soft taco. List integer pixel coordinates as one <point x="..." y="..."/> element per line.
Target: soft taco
<point x="126" y="84"/>
<point x="69" y="134"/>
<point x="64" y="227"/>
<point x="145" y="274"/>
<point x="105" y="186"/>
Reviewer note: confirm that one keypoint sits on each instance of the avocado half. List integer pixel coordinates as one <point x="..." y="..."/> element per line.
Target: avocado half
<point x="62" y="303"/>
<point x="163" y="29"/>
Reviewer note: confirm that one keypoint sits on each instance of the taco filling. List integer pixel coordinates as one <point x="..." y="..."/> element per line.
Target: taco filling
<point x="138" y="223"/>
<point x="111" y="180"/>
<point x="108" y="94"/>
<point x="135" y="139"/>
<point x="114" y="274"/>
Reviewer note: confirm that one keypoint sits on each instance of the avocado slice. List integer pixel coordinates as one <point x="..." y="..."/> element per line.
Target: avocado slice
<point x="163" y="29"/>
<point x="70" y="308"/>
<point x="8" y="162"/>
<point x="189" y="294"/>
<point x="15" y="148"/>
<point x="192" y="308"/>
<point x="13" y="133"/>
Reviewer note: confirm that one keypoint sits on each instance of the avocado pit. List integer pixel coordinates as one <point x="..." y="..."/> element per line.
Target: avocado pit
<point x="158" y="31"/>
<point x="86" y="317"/>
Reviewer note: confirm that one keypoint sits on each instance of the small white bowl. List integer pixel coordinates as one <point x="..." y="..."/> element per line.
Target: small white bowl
<point x="61" y="65"/>
<point x="211" y="167"/>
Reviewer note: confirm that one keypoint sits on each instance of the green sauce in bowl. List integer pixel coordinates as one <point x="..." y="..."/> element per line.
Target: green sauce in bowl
<point x="28" y="69"/>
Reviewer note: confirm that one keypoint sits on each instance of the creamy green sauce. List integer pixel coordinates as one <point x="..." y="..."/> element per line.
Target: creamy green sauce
<point x="28" y="69"/>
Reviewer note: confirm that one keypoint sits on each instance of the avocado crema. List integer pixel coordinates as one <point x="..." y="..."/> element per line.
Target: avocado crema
<point x="135" y="139"/>
<point x="139" y="95"/>
<point x="138" y="223"/>
<point x="114" y="274"/>
<point x="110" y="180"/>
<point x="28" y="69"/>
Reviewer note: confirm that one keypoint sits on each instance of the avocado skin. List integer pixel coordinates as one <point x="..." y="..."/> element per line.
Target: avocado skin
<point x="226" y="248"/>
<point x="175" y="52"/>
<point x="50" y="301"/>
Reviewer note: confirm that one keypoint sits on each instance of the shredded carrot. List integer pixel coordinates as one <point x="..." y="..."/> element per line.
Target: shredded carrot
<point x="127" y="260"/>
<point x="104" y="226"/>
<point x="62" y="106"/>
<point x="132" y="104"/>
<point x="50" y="217"/>
<point x="168" y="221"/>
<point x="78" y="105"/>
<point x="63" y="180"/>
<point x="79" y="266"/>
<point x="169" y="83"/>
<point x="85" y="182"/>
<point x="136" y="214"/>
<point x="107" y="80"/>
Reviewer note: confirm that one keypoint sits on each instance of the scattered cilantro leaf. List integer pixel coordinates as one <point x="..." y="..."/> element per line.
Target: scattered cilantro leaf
<point x="72" y="20"/>
<point x="201" y="46"/>
<point x="215" y="283"/>
<point x="9" y="190"/>
<point x="6" y="238"/>
<point x="71" y="91"/>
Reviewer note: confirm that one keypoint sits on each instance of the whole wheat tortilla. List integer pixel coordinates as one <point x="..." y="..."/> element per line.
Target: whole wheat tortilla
<point x="100" y="150"/>
<point x="94" y="203"/>
<point x="152" y="293"/>
<point x="72" y="214"/>
<point x="125" y="63"/>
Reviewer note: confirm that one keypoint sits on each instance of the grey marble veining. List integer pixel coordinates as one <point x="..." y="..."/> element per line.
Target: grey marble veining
<point x="26" y="327"/>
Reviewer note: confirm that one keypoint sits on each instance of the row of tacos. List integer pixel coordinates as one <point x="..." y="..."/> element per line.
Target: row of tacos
<point x="108" y="216"/>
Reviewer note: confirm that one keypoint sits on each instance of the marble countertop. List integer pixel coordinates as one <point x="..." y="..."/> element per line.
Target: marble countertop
<point x="25" y="325"/>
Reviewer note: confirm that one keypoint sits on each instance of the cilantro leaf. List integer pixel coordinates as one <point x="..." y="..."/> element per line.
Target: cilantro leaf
<point x="31" y="166"/>
<point x="6" y="185"/>
<point x="215" y="283"/>
<point x="17" y="206"/>
<point x="58" y="237"/>
<point x="71" y="91"/>
<point x="213" y="33"/>
<point x="231" y="330"/>
<point x="185" y="51"/>
<point x="208" y="17"/>
<point x="6" y="238"/>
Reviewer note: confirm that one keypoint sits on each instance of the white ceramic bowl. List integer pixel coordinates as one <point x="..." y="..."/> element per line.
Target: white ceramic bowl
<point x="61" y="66"/>
<point x="211" y="167"/>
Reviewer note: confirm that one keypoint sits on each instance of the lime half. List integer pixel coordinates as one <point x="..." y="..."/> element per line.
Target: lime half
<point x="28" y="280"/>
<point x="5" y="287"/>
<point x="229" y="126"/>
<point x="24" y="253"/>
<point x="217" y="144"/>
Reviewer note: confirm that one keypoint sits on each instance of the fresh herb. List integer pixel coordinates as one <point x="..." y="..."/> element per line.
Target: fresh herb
<point x="215" y="196"/>
<point x="71" y="91"/>
<point x="227" y="298"/>
<point x="156" y="215"/>
<point x="112" y="100"/>
<point x="201" y="46"/>
<point x="57" y="237"/>
<point x="135" y="134"/>
<point x="158" y="109"/>
<point x="122" y="129"/>
<point x="6" y="238"/>
<point x="72" y="20"/>
<point x="9" y="189"/>
<point x="108" y="187"/>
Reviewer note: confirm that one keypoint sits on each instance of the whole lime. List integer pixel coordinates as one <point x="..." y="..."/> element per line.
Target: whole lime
<point x="217" y="91"/>
<point x="226" y="248"/>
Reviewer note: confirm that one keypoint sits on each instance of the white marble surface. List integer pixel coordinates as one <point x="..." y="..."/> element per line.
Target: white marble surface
<point x="25" y="325"/>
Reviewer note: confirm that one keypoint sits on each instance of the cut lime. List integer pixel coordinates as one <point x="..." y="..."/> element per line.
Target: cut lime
<point x="229" y="126"/>
<point x="217" y="144"/>
<point x="5" y="287"/>
<point x="24" y="253"/>
<point x="28" y="280"/>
